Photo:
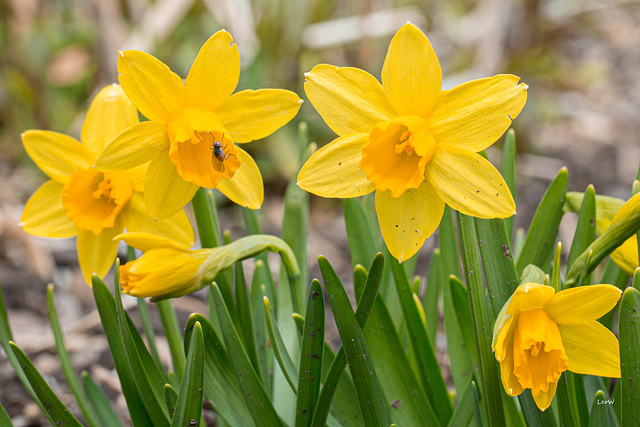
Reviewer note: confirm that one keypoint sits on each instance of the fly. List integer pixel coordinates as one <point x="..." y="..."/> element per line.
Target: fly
<point x="218" y="156"/>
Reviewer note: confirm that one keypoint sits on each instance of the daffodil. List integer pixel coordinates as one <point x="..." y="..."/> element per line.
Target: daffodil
<point x="609" y="211"/>
<point x="412" y="143"/>
<point x="539" y="334"/>
<point x="169" y="269"/>
<point x="81" y="201"/>
<point x="193" y="127"/>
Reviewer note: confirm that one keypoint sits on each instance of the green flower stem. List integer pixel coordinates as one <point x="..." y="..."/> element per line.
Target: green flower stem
<point x="478" y="303"/>
<point x="206" y="215"/>
<point x="143" y="310"/>
<point x="173" y="334"/>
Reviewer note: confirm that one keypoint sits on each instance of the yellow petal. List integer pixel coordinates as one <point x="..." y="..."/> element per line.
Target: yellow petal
<point x="245" y="188"/>
<point x="56" y="154"/>
<point x="626" y="256"/>
<point x="333" y="171"/>
<point x="165" y="193"/>
<point x="407" y="221"/>
<point x="475" y="114"/>
<point x="349" y="100"/>
<point x="96" y="254"/>
<point x="110" y="113"/>
<point x="592" y="349"/>
<point x="577" y="305"/>
<point x="254" y="114"/>
<point x="529" y="296"/>
<point x="154" y="89"/>
<point x="214" y="73"/>
<point x="147" y="241"/>
<point x="135" y="146"/>
<point x="509" y="381"/>
<point x="177" y="228"/>
<point x="44" y="214"/>
<point x="544" y="398"/>
<point x="470" y="184"/>
<point x="411" y="73"/>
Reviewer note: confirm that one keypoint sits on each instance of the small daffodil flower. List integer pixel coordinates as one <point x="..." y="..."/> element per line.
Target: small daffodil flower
<point x="412" y="143"/>
<point x="169" y="269"/>
<point x="82" y="201"/>
<point x="539" y="334"/>
<point x="193" y="127"/>
<point x="609" y="211"/>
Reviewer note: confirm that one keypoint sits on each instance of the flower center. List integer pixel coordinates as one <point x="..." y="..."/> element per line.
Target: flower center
<point x="538" y="352"/>
<point x="92" y="199"/>
<point x="397" y="153"/>
<point x="201" y="149"/>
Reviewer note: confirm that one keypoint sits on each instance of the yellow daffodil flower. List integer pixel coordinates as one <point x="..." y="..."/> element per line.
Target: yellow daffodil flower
<point x="81" y="201"/>
<point x="610" y="210"/>
<point x="193" y="126"/>
<point x="169" y="269"/>
<point x="539" y="334"/>
<point x="412" y="143"/>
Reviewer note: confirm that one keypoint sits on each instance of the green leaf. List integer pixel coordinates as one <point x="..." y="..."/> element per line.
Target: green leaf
<point x="497" y="262"/>
<point x="509" y="173"/>
<point x="189" y="403"/>
<point x="483" y="330"/>
<point x="372" y="402"/>
<point x="541" y="238"/>
<point x="264" y="272"/>
<point x="5" y="420"/>
<point x="425" y="356"/>
<point x="147" y="327"/>
<point x="100" y="403"/>
<point x="65" y="363"/>
<point x="220" y="383"/>
<point x="55" y="411"/>
<point x="599" y="413"/>
<point x="310" y="373"/>
<point x="5" y="338"/>
<point x="430" y="301"/>
<point x="106" y="305"/>
<point x="245" y="317"/>
<point x="568" y="415"/>
<point x="629" y="337"/>
<point x="448" y="244"/>
<point x="365" y="304"/>
<point x="171" y="397"/>
<point x="280" y="349"/>
<point x="458" y="328"/>
<point x="253" y="391"/>
<point x="260" y="334"/>
<point x="463" y="412"/>
<point x="586" y="228"/>
<point x="149" y="380"/>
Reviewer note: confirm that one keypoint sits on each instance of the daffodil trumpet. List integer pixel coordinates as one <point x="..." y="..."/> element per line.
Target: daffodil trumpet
<point x="413" y="144"/>
<point x="168" y="269"/>
<point x="194" y="126"/>
<point x="539" y="334"/>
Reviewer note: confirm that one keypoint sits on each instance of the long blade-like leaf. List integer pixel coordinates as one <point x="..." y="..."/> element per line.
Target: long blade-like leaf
<point x="630" y="356"/>
<point x="189" y="404"/>
<point x="100" y="403"/>
<point x="372" y="402"/>
<point x="310" y="372"/>
<point x="253" y="391"/>
<point x="541" y="238"/>
<point x="55" y="411"/>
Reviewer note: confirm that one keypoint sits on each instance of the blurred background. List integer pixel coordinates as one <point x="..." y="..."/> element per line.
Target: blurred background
<point x="580" y="59"/>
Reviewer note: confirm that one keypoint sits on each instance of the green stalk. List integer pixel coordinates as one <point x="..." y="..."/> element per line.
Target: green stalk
<point x="173" y="334"/>
<point x="483" y="330"/>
